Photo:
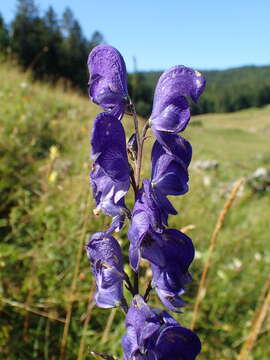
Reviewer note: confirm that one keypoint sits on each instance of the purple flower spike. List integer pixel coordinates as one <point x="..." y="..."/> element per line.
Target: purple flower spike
<point x="108" y="79"/>
<point x="106" y="262"/>
<point x="170" y="108"/>
<point x="152" y="334"/>
<point x="169" y="280"/>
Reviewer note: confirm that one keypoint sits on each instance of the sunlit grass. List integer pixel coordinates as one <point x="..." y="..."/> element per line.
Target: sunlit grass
<point x="45" y="200"/>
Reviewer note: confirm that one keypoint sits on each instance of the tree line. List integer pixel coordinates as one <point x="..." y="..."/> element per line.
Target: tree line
<point x="228" y="90"/>
<point x="51" y="47"/>
<point x="55" y="48"/>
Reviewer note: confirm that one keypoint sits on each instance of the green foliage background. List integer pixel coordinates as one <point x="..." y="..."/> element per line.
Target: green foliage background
<point x="46" y="210"/>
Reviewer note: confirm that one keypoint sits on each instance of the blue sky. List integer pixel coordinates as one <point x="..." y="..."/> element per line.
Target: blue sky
<point x="204" y="34"/>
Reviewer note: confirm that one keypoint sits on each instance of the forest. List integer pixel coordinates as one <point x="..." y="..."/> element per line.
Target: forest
<point x="52" y="47"/>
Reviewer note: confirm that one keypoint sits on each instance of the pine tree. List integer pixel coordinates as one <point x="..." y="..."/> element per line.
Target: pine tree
<point x="4" y="36"/>
<point x="26" y="29"/>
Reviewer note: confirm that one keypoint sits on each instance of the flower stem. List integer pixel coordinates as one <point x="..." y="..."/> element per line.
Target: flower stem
<point x="136" y="282"/>
<point x="140" y="141"/>
<point x="128" y="285"/>
<point x="136" y="180"/>
<point x="147" y="291"/>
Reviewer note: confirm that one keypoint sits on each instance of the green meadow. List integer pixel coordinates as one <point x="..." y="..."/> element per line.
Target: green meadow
<point x="46" y="217"/>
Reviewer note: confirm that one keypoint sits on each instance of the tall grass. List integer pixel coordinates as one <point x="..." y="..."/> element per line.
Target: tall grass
<point x="46" y="216"/>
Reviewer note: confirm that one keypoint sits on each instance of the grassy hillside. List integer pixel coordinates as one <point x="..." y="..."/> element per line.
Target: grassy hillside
<point x="46" y="215"/>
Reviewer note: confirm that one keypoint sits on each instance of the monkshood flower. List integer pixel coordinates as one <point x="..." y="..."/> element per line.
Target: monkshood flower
<point x="106" y="263"/>
<point x="152" y="334"/>
<point x="108" y="79"/>
<point x="169" y="279"/>
<point x="110" y="173"/>
<point x="175" y="145"/>
<point x="146" y="228"/>
<point x="105" y="192"/>
<point x="170" y="107"/>
<point x="169" y="175"/>
<point x="109" y="147"/>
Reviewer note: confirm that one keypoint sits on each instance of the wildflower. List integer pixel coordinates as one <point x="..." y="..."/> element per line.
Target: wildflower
<point x="108" y="79"/>
<point x="169" y="177"/>
<point x="152" y="334"/>
<point x="106" y="262"/>
<point x="109" y="147"/>
<point x="107" y="194"/>
<point x="145" y="229"/>
<point x="170" y="107"/>
<point x="110" y="171"/>
<point x="169" y="279"/>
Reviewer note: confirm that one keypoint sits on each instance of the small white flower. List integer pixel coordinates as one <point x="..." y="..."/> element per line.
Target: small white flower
<point x="257" y="256"/>
<point x="23" y="85"/>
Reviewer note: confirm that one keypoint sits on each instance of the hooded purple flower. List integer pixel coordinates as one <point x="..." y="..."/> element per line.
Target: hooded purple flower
<point x="175" y="145"/>
<point x="106" y="262"/>
<point x="108" y="79"/>
<point x="110" y="173"/>
<point x="141" y="323"/>
<point x="109" y="147"/>
<point x="106" y="193"/>
<point x="170" y="107"/>
<point x="169" y="177"/>
<point x="169" y="279"/>
<point x="146" y="227"/>
<point x="152" y="334"/>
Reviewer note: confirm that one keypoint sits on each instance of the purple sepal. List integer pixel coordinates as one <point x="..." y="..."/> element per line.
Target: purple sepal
<point x="169" y="174"/>
<point x="110" y="172"/>
<point x="175" y="145"/>
<point x="109" y="196"/>
<point x="177" y="343"/>
<point x="170" y="108"/>
<point x="109" y="147"/>
<point x="141" y="323"/>
<point x="145" y="229"/>
<point x="152" y="334"/>
<point x="169" y="280"/>
<point x="169" y="177"/>
<point x="106" y="263"/>
<point x="108" y="79"/>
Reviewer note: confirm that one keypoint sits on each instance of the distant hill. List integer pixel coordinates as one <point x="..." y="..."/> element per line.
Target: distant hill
<point x="226" y="91"/>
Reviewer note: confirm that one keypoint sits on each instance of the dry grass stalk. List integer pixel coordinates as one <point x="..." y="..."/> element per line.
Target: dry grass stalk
<point x="90" y="306"/>
<point x="74" y="279"/>
<point x="108" y="326"/>
<point x="262" y="296"/>
<point x="257" y="322"/>
<point x="26" y="307"/>
<point x="213" y="241"/>
<point x="187" y="228"/>
<point x="29" y="298"/>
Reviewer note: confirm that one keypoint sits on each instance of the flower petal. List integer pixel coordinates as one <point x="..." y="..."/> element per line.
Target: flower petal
<point x="178" y="343"/>
<point x="108" y="79"/>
